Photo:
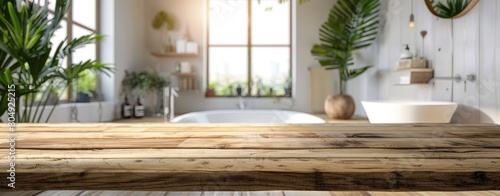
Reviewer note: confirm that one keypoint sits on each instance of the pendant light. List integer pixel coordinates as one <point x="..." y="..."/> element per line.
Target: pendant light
<point x="411" y="24"/>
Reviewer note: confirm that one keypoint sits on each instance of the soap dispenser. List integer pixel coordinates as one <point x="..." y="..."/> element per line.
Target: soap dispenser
<point x="406" y="54"/>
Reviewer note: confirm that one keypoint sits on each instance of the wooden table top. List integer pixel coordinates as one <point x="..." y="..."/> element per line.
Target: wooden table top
<point x="231" y="157"/>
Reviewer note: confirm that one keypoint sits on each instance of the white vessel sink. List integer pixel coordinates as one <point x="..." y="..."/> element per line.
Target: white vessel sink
<point x="389" y="112"/>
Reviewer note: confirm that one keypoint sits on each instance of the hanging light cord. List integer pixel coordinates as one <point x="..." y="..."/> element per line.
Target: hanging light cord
<point x="412" y="7"/>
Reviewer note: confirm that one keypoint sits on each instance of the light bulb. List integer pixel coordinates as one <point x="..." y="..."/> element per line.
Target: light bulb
<point x="412" y="21"/>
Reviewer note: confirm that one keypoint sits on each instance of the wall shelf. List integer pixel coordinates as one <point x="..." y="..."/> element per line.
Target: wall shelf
<point x="190" y="91"/>
<point x="173" y="55"/>
<point x="413" y="84"/>
<point x="187" y="81"/>
<point x="416" y="70"/>
<point x="414" y="76"/>
<point x="184" y="75"/>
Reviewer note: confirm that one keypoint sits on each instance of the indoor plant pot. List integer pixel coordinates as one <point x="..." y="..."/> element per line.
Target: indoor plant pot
<point x="339" y="106"/>
<point x="351" y="25"/>
<point x="82" y="97"/>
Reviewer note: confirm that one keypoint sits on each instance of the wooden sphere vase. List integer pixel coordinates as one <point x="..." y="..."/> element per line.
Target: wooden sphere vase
<point x="339" y="106"/>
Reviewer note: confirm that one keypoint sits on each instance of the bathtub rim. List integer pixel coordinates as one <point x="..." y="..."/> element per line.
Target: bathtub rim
<point x="191" y="114"/>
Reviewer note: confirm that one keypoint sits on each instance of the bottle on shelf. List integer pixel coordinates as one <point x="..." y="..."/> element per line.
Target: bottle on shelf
<point x="170" y="45"/>
<point x="138" y="109"/>
<point x="126" y="108"/>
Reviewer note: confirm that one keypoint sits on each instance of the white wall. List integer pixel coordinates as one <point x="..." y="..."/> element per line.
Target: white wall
<point x="107" y="47"/>
<point x="63" y="113"/>
<point x="489" y="60"/>
<point x="309" y="18"/>
<point x="85" y="112"/>
<point x="191" y="15"/>
<point x="468" y="45"/>
<point x="123" y="47"/>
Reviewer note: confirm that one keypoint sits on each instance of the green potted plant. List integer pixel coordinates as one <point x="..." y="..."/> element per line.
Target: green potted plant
<point x="210" y="92"/>
<point x="148" y="81"/>
<point x="31" y="61"/>
<point x="144" y="80"/>
<point x="351" y="25"/>
<point x="165" y="22"/>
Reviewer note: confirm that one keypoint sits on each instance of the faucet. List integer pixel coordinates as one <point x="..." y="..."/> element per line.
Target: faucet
<point x="241" y="102"/>
<point x="169" y="94"/>
<point x="457" y="78"/>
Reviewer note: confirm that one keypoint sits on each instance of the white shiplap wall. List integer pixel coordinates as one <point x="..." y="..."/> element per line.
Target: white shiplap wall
<point x="489" y="60"/>
<point x="468" y="45"/>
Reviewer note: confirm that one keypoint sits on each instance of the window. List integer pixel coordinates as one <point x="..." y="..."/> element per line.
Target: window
<point x="249" y="46"/>
<point x="80" y="20"/>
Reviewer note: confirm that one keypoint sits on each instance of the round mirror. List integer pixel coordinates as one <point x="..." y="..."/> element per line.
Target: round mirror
<point x="450" y="8"/>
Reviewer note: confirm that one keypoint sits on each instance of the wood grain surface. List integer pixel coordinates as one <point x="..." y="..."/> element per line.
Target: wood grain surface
<point x="231" y="157"/>
<point x="247" y="193"/>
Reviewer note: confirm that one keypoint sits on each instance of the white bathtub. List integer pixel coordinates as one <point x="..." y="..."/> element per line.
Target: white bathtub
<point x="409" y="112"/>
<point x="248" y="116"/>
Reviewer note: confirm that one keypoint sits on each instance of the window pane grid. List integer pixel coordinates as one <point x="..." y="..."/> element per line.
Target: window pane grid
<point x="268" y="71"/>
<point x="77" y="24"/>
<point x="83" y="26"/>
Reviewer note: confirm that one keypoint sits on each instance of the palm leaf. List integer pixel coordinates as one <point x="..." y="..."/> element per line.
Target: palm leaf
<point x="78" y="43"/>
<point x="73" y="71"/>
<point x="8" y="77"/>
<point x="353" y="73"/>
<point x="5" y="60"/>
<point x="450" y="8"/>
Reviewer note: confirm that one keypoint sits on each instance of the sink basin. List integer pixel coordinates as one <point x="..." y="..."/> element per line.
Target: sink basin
<point x="399" y="112"/>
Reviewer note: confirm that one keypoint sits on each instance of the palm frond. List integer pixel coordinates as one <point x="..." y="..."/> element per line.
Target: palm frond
<point x="353" y="73"/>
<point x="450" y="8"/>
<point x="5" y="60"/>
<point x="73" y="71"/>
<point x="77" y="43"/>
<point x="351" y="25"/>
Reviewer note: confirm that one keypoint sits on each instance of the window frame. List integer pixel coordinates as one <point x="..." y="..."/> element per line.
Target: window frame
<point x="249" y="47"/>
<point x="69" y="36"/>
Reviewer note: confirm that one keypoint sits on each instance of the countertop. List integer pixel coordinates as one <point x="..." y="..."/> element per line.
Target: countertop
<point x="236" y="157"/>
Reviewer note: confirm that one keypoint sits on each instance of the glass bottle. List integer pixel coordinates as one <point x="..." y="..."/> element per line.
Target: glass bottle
<point x="138" y="109"/>
<point x="126" y="108"/>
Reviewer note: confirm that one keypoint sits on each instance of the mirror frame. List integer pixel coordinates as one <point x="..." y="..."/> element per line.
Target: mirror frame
<point x="469" y="7"/>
